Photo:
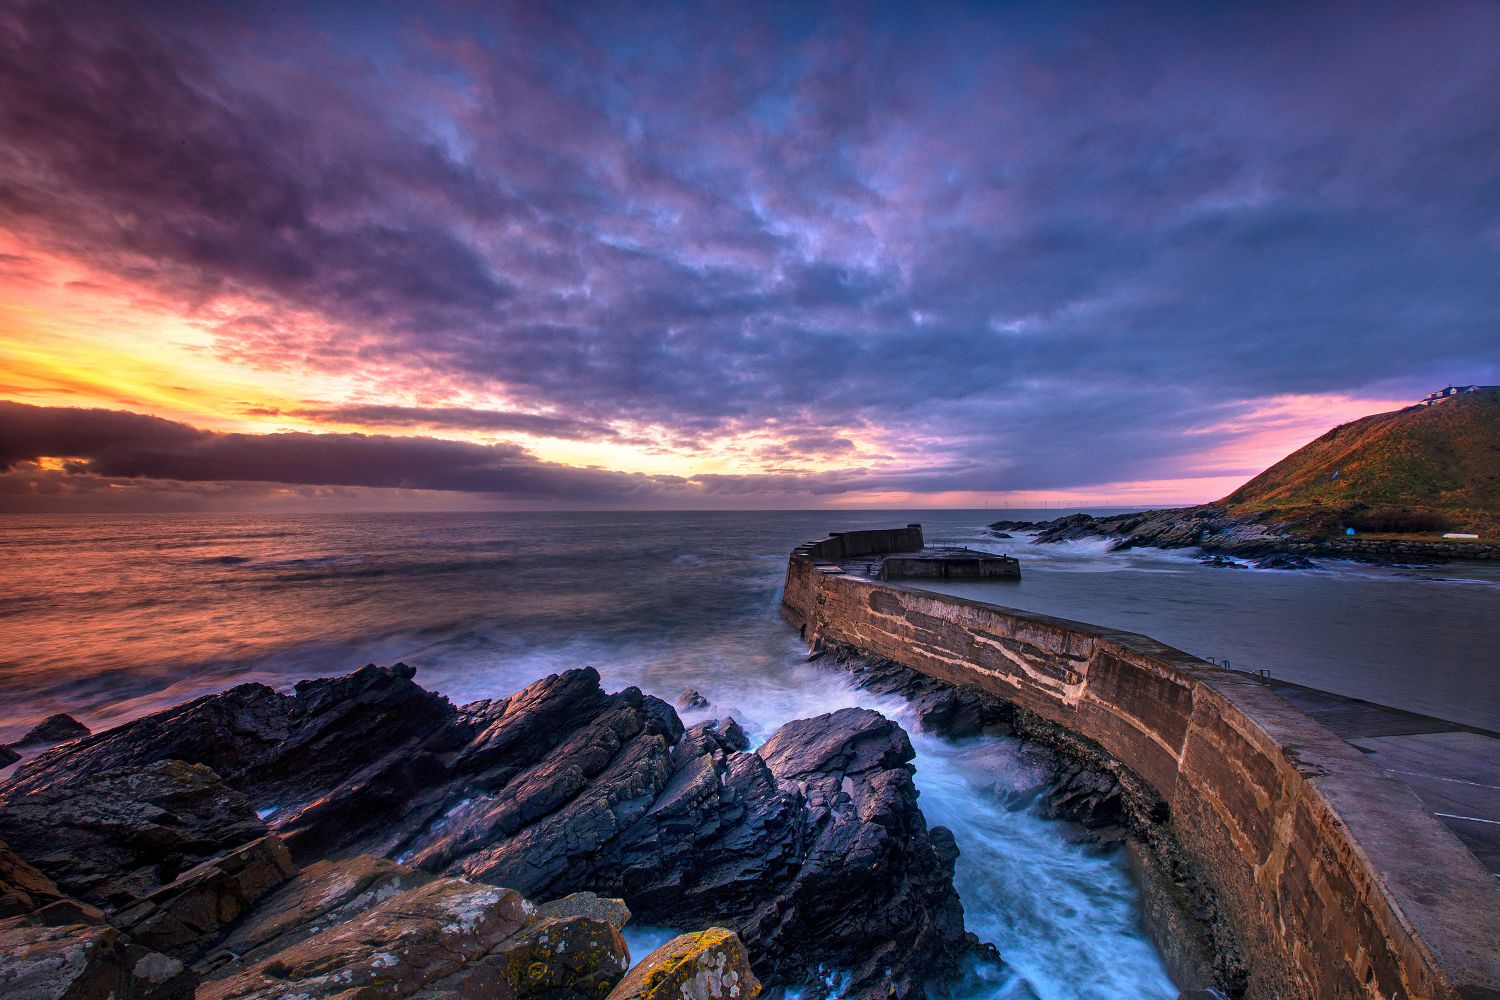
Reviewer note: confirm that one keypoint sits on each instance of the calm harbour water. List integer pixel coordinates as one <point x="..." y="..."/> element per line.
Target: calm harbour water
<point x="111" y="617"/>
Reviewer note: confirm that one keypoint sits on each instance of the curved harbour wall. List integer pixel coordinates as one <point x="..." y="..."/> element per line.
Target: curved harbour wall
<point x="1335" y="879"/>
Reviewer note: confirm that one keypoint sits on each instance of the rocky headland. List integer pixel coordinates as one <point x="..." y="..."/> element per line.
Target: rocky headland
<point x="1384" y="488"/>
<point x="361" y="837"/>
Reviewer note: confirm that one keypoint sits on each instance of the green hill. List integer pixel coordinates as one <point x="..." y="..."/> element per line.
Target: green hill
<point x="1412" y="470"/>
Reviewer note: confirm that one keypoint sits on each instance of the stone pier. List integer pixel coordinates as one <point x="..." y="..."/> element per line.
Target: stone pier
<point x="1337" y="881"/>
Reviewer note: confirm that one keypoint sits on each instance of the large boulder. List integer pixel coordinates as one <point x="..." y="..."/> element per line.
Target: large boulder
<point x="705" y="965"/>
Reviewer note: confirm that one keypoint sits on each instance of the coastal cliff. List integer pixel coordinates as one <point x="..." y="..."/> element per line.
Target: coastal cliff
<point x="206" y="844"/>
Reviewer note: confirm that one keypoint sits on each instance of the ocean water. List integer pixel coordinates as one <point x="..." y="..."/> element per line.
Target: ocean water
<point x="111" y="617"/>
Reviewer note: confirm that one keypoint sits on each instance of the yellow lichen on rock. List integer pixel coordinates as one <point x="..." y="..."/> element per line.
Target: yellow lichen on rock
<point x="704" y="965"/>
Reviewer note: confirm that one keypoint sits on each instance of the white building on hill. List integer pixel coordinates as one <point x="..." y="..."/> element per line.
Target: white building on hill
<point x="1443" y="395"/>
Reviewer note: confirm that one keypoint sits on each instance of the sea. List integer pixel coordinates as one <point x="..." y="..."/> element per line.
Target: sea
<point x="111" y="617"/>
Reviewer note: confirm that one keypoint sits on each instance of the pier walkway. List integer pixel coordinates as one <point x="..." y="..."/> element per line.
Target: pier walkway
<point x="1454" y="769"/>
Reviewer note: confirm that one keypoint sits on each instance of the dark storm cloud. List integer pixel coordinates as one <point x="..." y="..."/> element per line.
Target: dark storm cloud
<point x="116" y="444"/>
<point x="1048" y="241"/>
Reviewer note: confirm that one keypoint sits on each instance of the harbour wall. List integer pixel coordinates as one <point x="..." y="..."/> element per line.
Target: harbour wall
<point x="1336" y="881"/>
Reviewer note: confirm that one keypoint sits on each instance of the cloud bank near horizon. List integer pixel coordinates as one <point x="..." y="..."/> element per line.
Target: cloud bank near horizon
<point x="863" y="252"/>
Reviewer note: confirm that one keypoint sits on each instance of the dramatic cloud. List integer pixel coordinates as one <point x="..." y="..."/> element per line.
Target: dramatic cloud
<point x="1009" y="248"/>
<point x="113" y="444"/>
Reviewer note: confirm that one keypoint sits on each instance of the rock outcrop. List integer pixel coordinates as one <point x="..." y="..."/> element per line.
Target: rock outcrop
<point x="51" y="731"/>
<point x="948" y="710"/>
<point x="812" y="849"/>
<point x="1280" y="541"/>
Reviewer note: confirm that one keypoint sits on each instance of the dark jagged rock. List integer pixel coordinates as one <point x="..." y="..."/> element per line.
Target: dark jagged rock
<point x="1016" y="525"/>
<point x="51" y="731"/>
<point x="8" y="756"/>
<point x="955" y="712"/>
<point x="1065" y="529"/>
<point x="686" y="828"/>
<point x="1221" y="561"/>
<point x="342" y="761"/>
<point x="732" y="733"/>
<point x="1257" y="534"/>
<point x="114" y="837"/>
<point x="812" y="849"/>
<point x="185" y="871"/>
<point x="688" y="700"/>
<point x="1002" y="534"/>
<point x="194" y="907"/>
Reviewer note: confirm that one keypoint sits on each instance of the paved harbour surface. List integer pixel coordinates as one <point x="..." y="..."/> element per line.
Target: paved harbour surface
<point x="1454" y="769"/>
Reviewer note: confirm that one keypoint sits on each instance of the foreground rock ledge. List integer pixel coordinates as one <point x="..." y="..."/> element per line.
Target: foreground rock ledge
<point x="812" y="849"/>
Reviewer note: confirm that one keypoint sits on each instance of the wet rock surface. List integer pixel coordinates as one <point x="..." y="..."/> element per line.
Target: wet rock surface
<point x="187" y="828"/>
<point x="195" y="906"/>
<point x="945" y="709"/>
<point x="325" y="894"/>
<point x="1283" y="561"/>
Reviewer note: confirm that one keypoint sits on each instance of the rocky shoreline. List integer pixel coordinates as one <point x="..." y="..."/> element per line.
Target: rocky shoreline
<point x="1260" y="539"/>
<point x="364" y="837"/>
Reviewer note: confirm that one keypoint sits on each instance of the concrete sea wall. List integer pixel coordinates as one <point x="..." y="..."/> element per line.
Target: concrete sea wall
<point x="1362" y="548"/>
<point x="1336" y="881"/>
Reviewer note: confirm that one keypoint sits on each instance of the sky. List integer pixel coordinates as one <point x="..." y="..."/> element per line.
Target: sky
<point x="659" y="255"/>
